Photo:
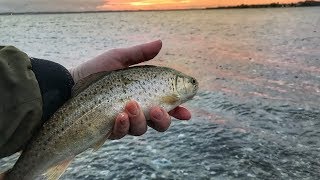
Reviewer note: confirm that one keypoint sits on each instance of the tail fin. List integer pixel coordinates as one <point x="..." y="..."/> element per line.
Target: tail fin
<point x="3" y="175"/>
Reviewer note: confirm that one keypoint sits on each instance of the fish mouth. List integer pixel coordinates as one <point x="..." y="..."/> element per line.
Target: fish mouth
<point x="189" y="97"/>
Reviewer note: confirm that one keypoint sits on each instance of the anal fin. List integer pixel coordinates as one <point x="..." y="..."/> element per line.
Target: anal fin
<point x="55" y="172"/>
<point x="100" y="143"/>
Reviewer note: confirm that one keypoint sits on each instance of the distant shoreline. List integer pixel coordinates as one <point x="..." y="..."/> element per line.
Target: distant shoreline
<point x="242" y="6"/>
<point x="272" y="5"/>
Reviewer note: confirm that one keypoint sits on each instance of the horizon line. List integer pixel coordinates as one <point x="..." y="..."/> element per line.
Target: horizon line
<point x="253" y="6"/>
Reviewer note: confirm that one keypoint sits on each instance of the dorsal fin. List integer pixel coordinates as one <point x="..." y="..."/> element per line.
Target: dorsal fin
<point x="83" y="83"/>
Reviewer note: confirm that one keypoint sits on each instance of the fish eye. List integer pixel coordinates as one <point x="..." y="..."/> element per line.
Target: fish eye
<point x="193" y="81"/>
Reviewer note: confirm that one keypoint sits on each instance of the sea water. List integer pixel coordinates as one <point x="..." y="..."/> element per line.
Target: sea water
<point x="256" y="115"/>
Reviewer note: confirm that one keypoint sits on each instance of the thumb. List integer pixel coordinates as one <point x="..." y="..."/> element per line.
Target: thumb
<point x="117" y="59"/>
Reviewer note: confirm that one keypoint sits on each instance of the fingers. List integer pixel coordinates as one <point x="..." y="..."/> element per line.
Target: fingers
<point x="160" y="119"/>
<point x="180" y="113"/>
<point x="137" y="54"/>
<point x="121" y="126"/>
<point x="138" y="124"/>
<point x="132" y="121"/>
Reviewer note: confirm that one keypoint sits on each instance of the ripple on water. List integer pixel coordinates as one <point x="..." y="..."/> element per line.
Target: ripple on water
<point x="260" y="119"/>
<point x="277" y="141"/>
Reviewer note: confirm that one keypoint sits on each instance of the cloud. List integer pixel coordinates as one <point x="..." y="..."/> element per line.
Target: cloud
<point x="144" y="4"/>
<point x="49" y="5"/>
<point x="176" y="4"/>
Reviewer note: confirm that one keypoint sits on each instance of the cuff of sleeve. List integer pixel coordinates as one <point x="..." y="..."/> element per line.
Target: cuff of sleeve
<point x="55" y="83"/>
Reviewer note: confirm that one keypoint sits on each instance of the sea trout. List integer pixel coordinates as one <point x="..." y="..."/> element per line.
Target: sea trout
<point x="87" y="119"/>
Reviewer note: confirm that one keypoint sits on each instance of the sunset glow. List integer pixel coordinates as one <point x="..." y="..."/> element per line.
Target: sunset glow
<point x="178" y="4"/>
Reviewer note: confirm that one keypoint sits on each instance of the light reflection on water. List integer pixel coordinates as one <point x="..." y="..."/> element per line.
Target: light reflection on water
<point x="256" y="115"/>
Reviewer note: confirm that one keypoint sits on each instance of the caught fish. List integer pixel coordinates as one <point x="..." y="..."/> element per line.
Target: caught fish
<point x="87" y="119"/>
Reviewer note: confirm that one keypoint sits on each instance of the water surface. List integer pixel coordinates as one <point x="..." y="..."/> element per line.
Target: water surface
<point x="256" y="115"/>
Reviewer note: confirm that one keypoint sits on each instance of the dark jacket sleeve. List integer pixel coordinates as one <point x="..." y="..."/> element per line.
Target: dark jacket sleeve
<point x="55" y="83"/>
<point x="31" y="90"/>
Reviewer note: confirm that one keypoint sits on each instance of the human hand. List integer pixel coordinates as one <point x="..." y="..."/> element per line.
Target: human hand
<point x="132" y="121"/>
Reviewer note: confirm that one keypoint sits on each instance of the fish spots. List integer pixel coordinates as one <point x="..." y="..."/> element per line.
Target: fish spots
<point x="101" y="86"/>
<point x="126" y="81"/>
<point x="83" y="112"/>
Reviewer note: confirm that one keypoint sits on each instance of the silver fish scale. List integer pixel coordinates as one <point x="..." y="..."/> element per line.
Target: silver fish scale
<point x="144" y="86"/>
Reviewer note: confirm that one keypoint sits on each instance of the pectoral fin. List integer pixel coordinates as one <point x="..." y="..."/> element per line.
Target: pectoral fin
<point x="170" y="99"/>
<point x="55" y="172"/>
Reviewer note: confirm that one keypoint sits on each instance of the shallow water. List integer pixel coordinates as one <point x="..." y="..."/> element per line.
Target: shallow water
<point x="256" y="115"/>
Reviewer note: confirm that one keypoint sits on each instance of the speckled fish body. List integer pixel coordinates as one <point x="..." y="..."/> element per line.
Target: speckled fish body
<point x="86" y="120"/>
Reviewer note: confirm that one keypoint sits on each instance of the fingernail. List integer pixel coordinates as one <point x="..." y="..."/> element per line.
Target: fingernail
<point x="157" y="114"/>
<point x="122" y="119"/>
<point x="133" y="109"/>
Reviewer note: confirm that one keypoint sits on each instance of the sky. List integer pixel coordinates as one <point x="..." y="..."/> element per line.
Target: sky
<point x="92" y="5"/>
<point x="178" y="4"/>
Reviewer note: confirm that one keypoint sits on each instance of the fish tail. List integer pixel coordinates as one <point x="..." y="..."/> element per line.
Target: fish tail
<point x="7" y="175"/>
<point x="3" y="175"/>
